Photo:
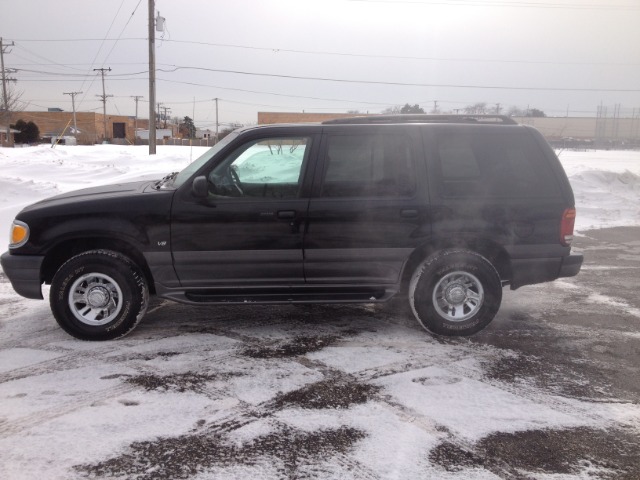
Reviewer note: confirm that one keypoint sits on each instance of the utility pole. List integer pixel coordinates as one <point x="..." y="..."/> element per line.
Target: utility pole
<point x="73" y="104"/>
<point x="216" y="119"/>
<point x="152" y="79"/>
<point x="498" y="108"/>
<point x="165" y="115"/>
<point x="104" y="99"/>
<point x="135" y="119"/>
<point x="5" y="97"/>
<point x="157" y="118"/>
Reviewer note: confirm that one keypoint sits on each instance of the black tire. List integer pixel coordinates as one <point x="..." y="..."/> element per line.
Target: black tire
<point x="455" y="292"/>
<point x="98" y="295"/>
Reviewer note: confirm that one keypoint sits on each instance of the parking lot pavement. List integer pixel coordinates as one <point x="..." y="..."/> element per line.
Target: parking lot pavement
<point x="585" y="328"/>
<point x="551" y="389"/>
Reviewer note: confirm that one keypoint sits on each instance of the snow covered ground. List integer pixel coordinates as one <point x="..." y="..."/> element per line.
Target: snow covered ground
<point x="330" y="392"/>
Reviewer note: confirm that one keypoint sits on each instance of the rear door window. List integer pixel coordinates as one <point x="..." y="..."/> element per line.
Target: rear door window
<point x="368" y="165"/>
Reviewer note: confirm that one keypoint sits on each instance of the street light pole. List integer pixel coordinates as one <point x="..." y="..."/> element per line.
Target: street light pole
<point x="135" y="119"/>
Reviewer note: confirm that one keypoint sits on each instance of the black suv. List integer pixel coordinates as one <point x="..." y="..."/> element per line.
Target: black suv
<point x="445" y="209"/>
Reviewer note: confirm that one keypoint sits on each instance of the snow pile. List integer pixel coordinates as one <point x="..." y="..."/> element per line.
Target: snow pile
<point x="606" y="198"/>
<point x="606" y="185"/>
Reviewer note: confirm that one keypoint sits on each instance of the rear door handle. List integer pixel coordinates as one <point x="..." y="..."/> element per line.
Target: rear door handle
<point x="287" y="214"/>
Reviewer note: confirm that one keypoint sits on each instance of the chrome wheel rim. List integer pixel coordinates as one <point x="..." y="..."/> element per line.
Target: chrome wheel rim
<point x="458" y="296"/>
<point x="95" y="299"/>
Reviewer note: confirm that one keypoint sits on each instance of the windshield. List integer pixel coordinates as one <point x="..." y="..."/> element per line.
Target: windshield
<point x="202" y="159"/>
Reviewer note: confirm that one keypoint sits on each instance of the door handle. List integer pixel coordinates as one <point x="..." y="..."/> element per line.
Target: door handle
<point x="287" y="214"/>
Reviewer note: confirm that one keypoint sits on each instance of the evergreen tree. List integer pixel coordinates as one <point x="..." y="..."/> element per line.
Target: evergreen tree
<point x="411" y="109"/>
<point x="187" y="128"/>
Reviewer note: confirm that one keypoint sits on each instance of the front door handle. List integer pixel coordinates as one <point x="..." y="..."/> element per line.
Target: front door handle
<point x="287" y="214"/>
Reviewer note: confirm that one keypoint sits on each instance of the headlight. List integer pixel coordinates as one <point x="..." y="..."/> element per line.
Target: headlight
<point x="19" y="234"/>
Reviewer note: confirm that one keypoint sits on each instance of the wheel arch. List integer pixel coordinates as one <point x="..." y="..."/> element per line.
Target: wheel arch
<point x="489" y="249"/>
<point x="69" y="248"/>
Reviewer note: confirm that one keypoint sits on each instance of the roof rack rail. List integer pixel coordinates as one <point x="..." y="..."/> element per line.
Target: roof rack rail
<point x="419" y="118"/>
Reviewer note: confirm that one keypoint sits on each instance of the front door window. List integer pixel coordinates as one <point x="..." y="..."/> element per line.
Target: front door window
<point x="268" y="168"/>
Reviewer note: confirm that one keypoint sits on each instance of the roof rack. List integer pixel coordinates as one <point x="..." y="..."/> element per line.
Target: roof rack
<point x="418" y="118"/>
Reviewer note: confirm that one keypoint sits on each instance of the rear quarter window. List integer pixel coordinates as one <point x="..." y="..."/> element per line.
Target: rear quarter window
<point x="494" y="164"/>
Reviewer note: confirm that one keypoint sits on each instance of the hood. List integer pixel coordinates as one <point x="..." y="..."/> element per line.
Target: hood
<point x="94" y="193"/>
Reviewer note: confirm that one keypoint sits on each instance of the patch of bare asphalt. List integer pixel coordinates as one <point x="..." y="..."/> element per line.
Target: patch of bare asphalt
<point x="578" y="367"/>
<point x="188" y="455"/>
<point x="291" y="348"/>
<point x="612" y="453"/>
<point x="180" y="382"/>
<point x="153" y="356"/>
<point x="568" y="378"/>
<point x="330" y="393"/>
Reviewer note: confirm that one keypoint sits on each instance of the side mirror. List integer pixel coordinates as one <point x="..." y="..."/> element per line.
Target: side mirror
<point x="200" y="187"/>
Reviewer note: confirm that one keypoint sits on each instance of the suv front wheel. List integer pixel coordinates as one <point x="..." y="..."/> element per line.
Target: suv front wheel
<point x="98" y="295"/>
<point x="455" y="292"/>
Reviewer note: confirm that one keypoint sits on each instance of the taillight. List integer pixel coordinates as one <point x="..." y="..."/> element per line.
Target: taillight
<point x="566" y="226"/>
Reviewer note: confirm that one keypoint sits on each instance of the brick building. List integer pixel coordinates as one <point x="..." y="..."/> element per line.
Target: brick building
<point x="120" y="128"/>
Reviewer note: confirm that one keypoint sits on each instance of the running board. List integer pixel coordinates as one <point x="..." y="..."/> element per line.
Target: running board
<point x="267" y="295"/>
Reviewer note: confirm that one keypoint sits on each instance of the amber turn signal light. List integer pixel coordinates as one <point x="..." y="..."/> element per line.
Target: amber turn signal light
<point x="19" y="234"/>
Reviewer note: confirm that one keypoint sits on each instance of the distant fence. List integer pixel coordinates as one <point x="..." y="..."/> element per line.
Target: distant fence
<point x="185" y="142"/>
<point x="576" y="144"/>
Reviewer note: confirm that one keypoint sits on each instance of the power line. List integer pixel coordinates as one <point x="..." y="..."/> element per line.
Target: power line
<point x="391" y="57"/>
<point x="95" y="58"/>
<point x="36" y="55"/>
<point x="82" y="75"/>
<point x="49" y="40"/>
<point x="403" y="84"/>
<point x="277" y="50"/>
<point x="268" y="93"/>
<point x="508" y="4"/>
<point x="121" y="31"/>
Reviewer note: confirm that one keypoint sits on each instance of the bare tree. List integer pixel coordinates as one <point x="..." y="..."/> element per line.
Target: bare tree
<point x="479" y="108"/>
<point x="392" y="110"/>
<point x="516" y="112"/>
<point x="8" y="105"/>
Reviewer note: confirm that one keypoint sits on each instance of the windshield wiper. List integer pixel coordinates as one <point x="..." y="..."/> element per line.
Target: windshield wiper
<point x="159" y="184"/>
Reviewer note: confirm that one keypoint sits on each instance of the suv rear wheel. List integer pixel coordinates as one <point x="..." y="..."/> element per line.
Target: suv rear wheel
<point x="455" y="292"/>
<point x="98" y="295"/>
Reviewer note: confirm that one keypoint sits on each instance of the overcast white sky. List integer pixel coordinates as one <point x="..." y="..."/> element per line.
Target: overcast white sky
<point x="555" y="55"/>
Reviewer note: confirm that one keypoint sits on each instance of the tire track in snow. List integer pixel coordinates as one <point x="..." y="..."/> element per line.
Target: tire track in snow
<point x="17" y="426"/>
